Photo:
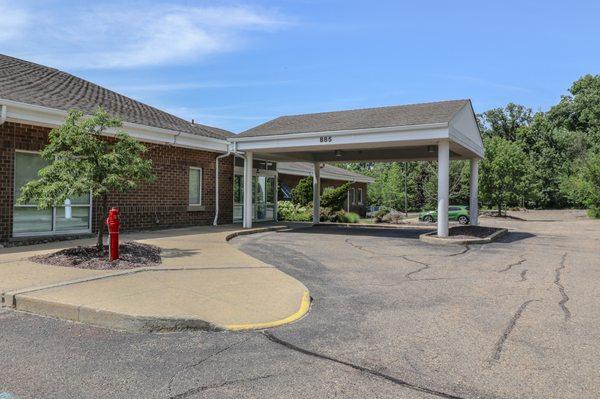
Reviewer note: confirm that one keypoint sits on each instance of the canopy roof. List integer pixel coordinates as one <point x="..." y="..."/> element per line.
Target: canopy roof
<point x="404" y="132"/>
<point x="399" y="115"/>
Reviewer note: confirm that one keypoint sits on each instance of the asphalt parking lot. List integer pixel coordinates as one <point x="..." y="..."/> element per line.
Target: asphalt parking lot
<point x="391" y="317"/>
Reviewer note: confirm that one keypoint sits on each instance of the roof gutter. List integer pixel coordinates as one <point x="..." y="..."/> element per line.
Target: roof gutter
<point x="52" y="117"/>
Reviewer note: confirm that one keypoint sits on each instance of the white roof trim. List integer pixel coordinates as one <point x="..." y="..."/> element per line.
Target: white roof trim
<point x="51" y="117"/>
<point x="339" y="132"/>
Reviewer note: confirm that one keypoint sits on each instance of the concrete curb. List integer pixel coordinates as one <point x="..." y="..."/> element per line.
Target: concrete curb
<point x="112" y="320"/>
<point x="258" y="230"/>
<point x="431" y="239"/>
<point x="138" y="323"/>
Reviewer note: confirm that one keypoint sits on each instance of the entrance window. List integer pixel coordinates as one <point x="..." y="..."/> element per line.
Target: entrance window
<point x="73" y="216"/>
<point x="360" y="196"/>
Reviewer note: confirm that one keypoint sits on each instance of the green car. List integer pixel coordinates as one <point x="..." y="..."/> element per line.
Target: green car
<point x="455" y="212"/>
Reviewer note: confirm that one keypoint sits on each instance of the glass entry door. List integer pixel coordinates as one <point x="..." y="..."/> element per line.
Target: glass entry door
<point x="263" y="199"/>
<point x="264" y="195"/>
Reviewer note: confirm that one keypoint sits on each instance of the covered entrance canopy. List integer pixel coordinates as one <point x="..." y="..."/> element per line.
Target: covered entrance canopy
<point x="433" y="131"/>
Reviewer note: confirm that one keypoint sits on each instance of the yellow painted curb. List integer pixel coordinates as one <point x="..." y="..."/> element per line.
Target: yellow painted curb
<point x="304" y="307"/>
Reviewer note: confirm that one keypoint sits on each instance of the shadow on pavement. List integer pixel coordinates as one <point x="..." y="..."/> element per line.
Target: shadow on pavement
<point x="411" y="233"/>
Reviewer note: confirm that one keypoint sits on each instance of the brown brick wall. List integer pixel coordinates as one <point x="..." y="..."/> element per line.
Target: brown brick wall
<point x="291" y="181"/>
<point x="162" y="203"/>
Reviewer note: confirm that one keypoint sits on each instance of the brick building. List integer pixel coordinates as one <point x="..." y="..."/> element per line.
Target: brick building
<point x="34" y="99"/>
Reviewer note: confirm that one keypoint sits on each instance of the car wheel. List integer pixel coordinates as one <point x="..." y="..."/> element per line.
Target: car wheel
<point x="428" y="219"/>
<point x="463" y="219"/>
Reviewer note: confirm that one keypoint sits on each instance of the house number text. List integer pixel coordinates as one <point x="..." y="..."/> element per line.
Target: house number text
<point x="325" y="139"/>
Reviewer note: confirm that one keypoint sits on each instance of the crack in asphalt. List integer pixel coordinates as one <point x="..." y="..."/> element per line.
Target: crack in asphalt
<point x="523" y="278"/>
<point x="510" y="266"/>
<point x="409" y="275"/>
<point x="464" y="251"/>
<point x="511" y="325"/>
<point x="199" y="389"/>
<point x="362" y="248"/>
<point x="425" y="267"/>
<point x="375" y="373"/>
<point x="565" y="298"/>
<point x="198" y="363"/>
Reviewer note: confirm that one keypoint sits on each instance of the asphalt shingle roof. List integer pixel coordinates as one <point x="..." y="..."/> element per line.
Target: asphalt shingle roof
<point x="401" y="115"/>
<point x="31" y="83"/>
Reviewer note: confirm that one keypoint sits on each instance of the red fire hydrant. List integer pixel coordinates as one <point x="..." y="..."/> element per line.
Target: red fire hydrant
<point x="113" y="230"/>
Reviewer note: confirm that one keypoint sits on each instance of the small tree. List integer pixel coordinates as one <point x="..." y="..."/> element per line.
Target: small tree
<point x="504" y="172"/>
<point x="302" y="194"/>
<point x="81" y="161"/>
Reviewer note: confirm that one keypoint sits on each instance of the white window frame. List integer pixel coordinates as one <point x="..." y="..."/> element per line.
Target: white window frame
<point x="200" y="186"/>
<point x="360" y="196"/>
<point x="53" y="231"/>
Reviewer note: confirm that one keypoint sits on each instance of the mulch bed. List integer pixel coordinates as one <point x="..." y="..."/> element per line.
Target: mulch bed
<point x="131" y="255"/>
<point x="466" y="232"/>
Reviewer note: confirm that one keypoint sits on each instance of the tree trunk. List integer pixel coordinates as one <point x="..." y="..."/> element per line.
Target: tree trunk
<point x="499" y="209"/>
<point x="100" y="222"/>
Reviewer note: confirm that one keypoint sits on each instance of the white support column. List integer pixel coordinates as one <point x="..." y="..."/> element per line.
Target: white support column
<point x="248" y="211"/>
<point x="443" y="187"/>
<point x="316" y="192"/>
<point x="474" y="186"/>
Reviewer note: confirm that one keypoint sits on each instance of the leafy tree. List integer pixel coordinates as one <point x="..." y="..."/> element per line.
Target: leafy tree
<point x="583" y="187"/>
<point x="81" y="161"/>
<point x="504" y="172"/>
<point x="302" y="194"/>
<point x="579" y="111"/>
<point x="504" y="122"/>
<point x="551" y="151"/>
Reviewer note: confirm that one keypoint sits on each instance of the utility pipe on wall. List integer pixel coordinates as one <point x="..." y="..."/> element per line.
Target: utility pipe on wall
<point x="229" y="152"/>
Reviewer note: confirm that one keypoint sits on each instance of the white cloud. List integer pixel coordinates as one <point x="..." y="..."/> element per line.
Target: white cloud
<point x="13" y="21"/>
<point x="130" y="34"/>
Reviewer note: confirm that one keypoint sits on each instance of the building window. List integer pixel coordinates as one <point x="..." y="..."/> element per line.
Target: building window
<point x="195" y="186"/>
<point x="360" y="196"/>
<point x="71" y="217"/>
<point x="353" y="195"/>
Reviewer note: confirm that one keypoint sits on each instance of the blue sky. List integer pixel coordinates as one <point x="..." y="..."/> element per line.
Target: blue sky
<point x="237" y="64"/>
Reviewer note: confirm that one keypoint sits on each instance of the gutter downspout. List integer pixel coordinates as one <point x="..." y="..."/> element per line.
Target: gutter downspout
<point x="2" y="114"/>
<point x="229" y="152"/>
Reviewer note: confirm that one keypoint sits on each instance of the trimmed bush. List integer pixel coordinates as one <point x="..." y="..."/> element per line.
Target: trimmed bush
<point x="334" y="198"/>
<point x="594" y="213"/>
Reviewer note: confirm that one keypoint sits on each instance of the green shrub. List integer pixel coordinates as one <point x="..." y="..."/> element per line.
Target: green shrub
<point x="594" y="213"/>
<point x="334" y="198"/>
<point x="288" y="211"/>
<point x="302" y="194"/>
<point x="346" y="217"/>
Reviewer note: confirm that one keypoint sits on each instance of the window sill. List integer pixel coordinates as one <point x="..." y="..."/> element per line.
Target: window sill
<point x="196" y="208"/>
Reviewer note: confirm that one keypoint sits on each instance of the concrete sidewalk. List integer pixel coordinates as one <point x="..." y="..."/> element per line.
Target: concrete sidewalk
<point x="203" y="282"/>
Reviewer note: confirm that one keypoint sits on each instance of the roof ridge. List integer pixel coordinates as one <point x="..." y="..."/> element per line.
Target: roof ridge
<point x="372" y="108"/>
